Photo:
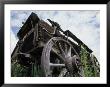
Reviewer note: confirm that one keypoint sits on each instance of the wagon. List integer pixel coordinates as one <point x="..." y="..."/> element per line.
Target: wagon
<point x="46" y="45"/>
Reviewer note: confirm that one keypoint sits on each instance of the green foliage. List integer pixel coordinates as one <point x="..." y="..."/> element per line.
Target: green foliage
<point x="36" y="71"/>
<point x="88" y="67"/>
<point x="18" y="70"/>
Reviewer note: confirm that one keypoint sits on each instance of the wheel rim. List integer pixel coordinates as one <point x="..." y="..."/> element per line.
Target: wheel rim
<point x="65" y="55"/>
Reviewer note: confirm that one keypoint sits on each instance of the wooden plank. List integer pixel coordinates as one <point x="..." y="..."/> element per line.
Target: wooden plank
<point x="27" y="25"/>
<point x="46" y="26"/>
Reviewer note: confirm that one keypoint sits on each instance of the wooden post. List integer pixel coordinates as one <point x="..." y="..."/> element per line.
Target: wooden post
<point x="35" y="39"/>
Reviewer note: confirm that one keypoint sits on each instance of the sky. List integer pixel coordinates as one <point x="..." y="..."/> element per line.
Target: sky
<point x="84" y="24"/>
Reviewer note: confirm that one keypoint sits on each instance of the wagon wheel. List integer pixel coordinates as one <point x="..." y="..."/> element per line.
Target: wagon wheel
<point x="64" y="62"/>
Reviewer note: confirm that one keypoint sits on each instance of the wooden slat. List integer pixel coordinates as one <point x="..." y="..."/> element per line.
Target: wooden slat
<point x="46" y="26"/>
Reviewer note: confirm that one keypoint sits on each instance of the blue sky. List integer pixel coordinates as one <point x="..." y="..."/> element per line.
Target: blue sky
<point x="84" y="24"/>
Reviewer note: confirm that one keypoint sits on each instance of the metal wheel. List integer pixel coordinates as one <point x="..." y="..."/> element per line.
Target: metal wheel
<point x="59" y="58"/>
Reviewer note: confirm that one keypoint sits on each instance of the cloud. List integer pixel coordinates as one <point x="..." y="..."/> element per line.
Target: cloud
<point x="84" y="24"/>
<point x="13" y="41"/>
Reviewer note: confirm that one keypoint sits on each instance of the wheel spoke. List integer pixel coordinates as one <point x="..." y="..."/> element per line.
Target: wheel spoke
<point x="61" y="50"/>
<point x="66" y="48"/>
<point x="56" y="65"/>
<point x="69" y="52"/>
<point x="60" y="57"/>
<point x="54" y="41"/>
<point x="62" y="61"/>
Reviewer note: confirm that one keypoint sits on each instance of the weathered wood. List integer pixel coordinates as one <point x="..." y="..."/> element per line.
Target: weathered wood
<point x="27" y="25"/>
<point x="67" y="32"/>
<point x="56" y="65"/>
<point x="45" y="58"/>
<point x="46" y="26"/>
<point x="35" y="39"/>
<point x="28" y="34"/>
<point x="54" y="45"/>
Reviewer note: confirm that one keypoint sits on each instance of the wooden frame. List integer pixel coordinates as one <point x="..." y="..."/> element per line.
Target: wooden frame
<point x="2" y="30"/>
